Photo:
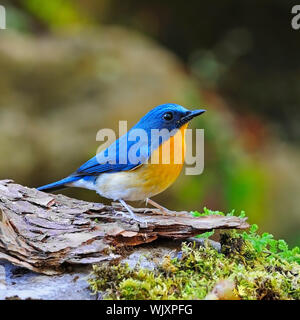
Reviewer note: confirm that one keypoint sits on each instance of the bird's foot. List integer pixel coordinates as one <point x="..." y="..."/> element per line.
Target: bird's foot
<point x="131" y="214"/>
<point x="130" y="217"/>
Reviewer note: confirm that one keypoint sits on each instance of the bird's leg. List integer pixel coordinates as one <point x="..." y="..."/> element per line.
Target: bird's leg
<point x="132" y="215"/>
<point x="164" y="211"/>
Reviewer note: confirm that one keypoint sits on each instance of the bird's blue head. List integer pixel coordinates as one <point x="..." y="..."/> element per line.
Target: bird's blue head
<point x="167" y="116"/>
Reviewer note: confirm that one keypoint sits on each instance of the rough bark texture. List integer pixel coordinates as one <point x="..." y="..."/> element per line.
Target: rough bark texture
<point x="44" y="232"/>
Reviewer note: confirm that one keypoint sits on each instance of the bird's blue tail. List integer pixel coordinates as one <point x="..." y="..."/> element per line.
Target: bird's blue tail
<point x="61" y="184"/>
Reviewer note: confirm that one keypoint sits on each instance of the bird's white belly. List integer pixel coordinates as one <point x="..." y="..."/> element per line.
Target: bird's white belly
<point x="121" y="185"/>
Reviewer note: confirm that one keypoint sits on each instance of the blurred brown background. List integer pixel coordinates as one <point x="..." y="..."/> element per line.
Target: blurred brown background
<point x="69" y="68"/>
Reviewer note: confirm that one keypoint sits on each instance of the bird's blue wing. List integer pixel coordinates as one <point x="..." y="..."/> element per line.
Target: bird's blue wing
<point x="115" y="158"/>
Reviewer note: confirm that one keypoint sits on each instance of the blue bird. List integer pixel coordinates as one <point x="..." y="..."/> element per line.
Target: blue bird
<point x="115" y="175"/>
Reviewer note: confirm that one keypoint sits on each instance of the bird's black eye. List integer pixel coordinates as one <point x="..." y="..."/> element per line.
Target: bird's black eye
<point x="168" y="116"/>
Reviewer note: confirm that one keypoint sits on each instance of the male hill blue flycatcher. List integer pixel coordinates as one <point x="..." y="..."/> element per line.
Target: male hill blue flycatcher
<point x="131" y="180"/>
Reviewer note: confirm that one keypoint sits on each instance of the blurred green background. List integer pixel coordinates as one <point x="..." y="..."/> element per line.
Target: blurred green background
<point x="69" y="68"/>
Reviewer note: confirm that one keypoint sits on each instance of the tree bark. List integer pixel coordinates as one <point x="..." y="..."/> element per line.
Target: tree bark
<point x="44" y="232"/>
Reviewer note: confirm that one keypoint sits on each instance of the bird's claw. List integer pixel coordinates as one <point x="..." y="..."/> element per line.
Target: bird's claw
<point x="129" y="217"/>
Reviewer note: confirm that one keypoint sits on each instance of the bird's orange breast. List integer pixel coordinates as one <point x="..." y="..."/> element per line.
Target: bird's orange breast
<point x="158" y="176"/>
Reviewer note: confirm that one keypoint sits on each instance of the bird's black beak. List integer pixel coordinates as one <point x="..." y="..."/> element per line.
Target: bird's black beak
<point x="190" y="115"/>
<point x="195" y="113"/>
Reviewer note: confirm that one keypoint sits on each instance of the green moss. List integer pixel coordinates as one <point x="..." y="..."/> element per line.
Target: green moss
<point x="257" y="266"/>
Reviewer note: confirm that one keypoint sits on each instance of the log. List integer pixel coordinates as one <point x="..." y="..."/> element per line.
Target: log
<point x="46" y="232"/>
